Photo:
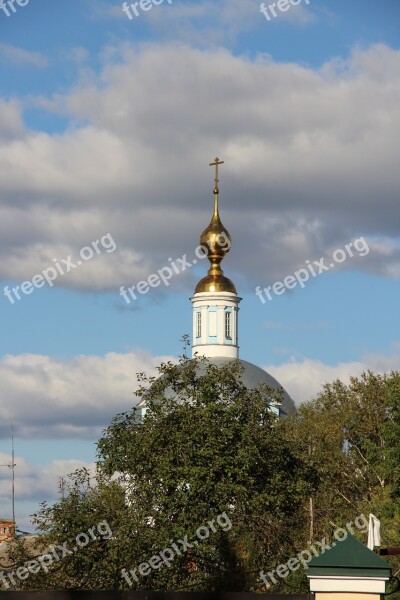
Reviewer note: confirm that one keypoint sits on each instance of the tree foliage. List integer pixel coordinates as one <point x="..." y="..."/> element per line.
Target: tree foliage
<point x="209" y="456"/>
<point x="207" y="446"/>
<point x="351" y="435"/>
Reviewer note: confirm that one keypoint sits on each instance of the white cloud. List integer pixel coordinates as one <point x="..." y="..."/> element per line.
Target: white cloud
<point x="301" y="15"/>
<point x="198" y="23"/>
<point x="206" y="22"/>
<point x="78" y="54"/>
<point x="310" y="163"/>
<point x="51" y="398"/>
<point x="303" y="380"/>
<point x="20" y="56"/>
<point x="11" y="121"/>
<point x="34" y="483"/>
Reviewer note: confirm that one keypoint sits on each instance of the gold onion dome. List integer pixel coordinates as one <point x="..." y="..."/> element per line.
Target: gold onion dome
<point x="216" y="243"/>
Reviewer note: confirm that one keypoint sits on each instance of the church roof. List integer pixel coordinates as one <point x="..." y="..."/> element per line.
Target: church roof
<point x="215" y="315"/>
<point x="349" y="558"/>
<point x="216" y="242"/>
<point x="252" y="376"/>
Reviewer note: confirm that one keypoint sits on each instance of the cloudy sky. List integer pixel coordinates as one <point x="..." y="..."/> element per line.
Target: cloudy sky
<point x="107" y="126"/>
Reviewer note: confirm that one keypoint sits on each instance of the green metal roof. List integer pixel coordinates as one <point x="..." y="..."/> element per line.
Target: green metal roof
<point x="350" y="558"/>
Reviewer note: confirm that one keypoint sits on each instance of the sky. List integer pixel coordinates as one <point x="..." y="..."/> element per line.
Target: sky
<point x="108" y="123"/>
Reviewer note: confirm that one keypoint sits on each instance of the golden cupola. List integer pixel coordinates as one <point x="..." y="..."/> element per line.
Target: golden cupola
<point x="216" y="243"/>
<point x="215" y="301"/>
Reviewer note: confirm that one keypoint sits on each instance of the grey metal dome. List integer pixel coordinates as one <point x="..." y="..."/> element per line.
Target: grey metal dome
<point x="252" y="376"/>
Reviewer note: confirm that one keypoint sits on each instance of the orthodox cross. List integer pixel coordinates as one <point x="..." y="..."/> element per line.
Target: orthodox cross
<point x="216" y="163"/>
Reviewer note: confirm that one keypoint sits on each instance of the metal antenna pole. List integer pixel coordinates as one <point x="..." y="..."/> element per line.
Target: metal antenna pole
<point x="12" y="466"/>
<point x="13" y="472"/>
<point x="61" y="485"/>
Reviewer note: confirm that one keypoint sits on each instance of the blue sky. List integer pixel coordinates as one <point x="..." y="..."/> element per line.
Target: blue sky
<point x="107" y="126"/>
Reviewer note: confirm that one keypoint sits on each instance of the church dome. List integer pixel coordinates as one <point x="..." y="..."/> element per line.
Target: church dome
<point x="215" y="316"/>
<point x="216" y="242"/>
<point x="215" y="282"/>
<point x="215" y="238"/>
<point x="251" y="376"/>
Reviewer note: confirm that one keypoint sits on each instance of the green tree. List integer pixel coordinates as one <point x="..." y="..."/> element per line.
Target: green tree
<point x="351" y="435"/>
<point x="208" y="453"/>
<point x="206" y="446"/>
<point x="82" y="530"/>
